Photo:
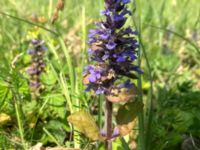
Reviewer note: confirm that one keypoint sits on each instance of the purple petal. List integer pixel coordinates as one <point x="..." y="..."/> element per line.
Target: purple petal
<point x="126" y="84"/>
<point x="103" y="132"/>
<point x="44" y="48"/>
<point x="116" y="133"/>
<point x="31" y="70"/>
<point x="92" y="40"/>
<point x="121" y="59"/>
<point x="115" y="55"/>
<point x="92" y="78"/>
<point x="98" y="75"/>
<point x="88" y="88"/>
<point x="100" y="90"/>
<point x="111" y="45"/>
<point x="130" y="31"/>
<point x="104" y="36"/>
<point x="118" y="18"/>
<point x="125" y="11"/>
<point x="90" y="51"/>
<point x="136" y="45"/>
<point x="105" y="56"/>
<point x="88" y="68"/>
<point x="125" y="1"/>
<point x="30" y="51"/>
<point x="137" y="69"/>
<point x="105" y="12"/>
<point x="35" y="41"/>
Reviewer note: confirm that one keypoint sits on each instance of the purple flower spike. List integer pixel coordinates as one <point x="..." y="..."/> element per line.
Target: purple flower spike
<point x="113" y="50"/>
<point x="37" y="65"/>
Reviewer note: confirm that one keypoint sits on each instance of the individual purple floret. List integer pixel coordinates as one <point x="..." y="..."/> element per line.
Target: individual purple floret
<point x="113" y="49"/>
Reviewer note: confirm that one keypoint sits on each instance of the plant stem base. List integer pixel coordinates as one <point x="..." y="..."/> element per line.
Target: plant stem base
<point x="108" y="143"/>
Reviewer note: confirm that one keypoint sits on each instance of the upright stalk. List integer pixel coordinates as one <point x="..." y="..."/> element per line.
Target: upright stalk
<point x="19" y="121"/>
<point x="108" y="122"/>
<point x="141" y="118"/>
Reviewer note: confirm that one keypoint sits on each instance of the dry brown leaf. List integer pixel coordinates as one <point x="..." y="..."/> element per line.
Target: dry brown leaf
<point x="126" y="128"/>
<point x="59" y="7"/>
<point x="85" y="124"/>
<point x="122" y="95"/>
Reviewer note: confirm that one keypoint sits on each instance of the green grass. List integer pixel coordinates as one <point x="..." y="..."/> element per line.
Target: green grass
<point x="169" y="57"/>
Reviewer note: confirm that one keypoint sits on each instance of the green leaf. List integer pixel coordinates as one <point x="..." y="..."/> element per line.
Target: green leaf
<point x="48" y="78"/>
<point x="128" y="112"/>
<point x="57" y="130"/>
<point x="126" y="116"/>
<point x="85" y="124"/>
<point x="57" y="104"/>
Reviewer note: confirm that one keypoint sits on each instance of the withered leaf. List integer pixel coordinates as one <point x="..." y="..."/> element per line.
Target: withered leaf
<point x="96" y="46"/>
<point x="86" y="80"/>
<point x="54" y="16"/>
<point x="85" y="123"/>
<point x="122" y="95"/>
<point x="126" y="128"/>
<point x="59" y="7"/>
<point x="60" y="4"/>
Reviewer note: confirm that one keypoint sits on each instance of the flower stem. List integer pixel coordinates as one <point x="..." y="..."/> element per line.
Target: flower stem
<point x="108" y="143"/>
